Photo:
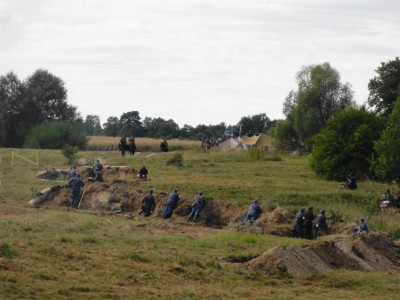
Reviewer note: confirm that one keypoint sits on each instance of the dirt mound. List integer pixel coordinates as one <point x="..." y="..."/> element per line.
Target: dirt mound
<point x="116" y="197"/>
<point x="372" y="252"/>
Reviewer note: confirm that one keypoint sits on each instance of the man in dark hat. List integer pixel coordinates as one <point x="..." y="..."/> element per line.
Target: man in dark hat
<point x="320" y="223"/>
<point x="309" y="217"/>
<point x="199" y="203"/>
<point x="172" y="203"/>
<point x="148" y="204"/>
<point x="299" y="224"/>
<point x="71" y="172"/>
<point x="98" y="171"/>
<point x="75" y="183"/>
<point x="362" y="228"/>
<point x="253" y="212"/>
<point x="143" y="172"/>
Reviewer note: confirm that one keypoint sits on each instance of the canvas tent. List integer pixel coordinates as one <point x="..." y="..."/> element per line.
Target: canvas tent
<point x="262" y="141"/>
<point x="230" y="144"/>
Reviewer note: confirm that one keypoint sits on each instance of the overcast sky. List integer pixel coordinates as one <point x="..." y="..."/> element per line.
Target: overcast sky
<point x="196" y="62"/>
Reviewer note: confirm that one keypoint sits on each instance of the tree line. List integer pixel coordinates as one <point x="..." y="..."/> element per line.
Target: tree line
<point x="130" y="123"/>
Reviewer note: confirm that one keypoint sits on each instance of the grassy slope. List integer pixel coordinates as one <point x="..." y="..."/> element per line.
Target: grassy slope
<point x="65" y="255"/>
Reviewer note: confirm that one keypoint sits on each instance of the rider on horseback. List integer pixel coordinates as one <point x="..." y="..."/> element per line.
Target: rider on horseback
<point x="123" y="145"/>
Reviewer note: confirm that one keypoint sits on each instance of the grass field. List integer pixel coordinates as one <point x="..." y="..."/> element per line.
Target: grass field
<point x="60" y="254"/>
<point x="143" y="144"/>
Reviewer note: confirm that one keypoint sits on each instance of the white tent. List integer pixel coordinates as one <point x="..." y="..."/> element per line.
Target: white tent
<point x="230" y="144"/>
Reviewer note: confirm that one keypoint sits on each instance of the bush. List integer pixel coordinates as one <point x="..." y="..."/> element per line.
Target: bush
<point x="255" y="154"/>
<point x="55" y="135"/>
<point x="176" y="160"/>
<point x="7" y="251"/>
<point x="70" y="153"/>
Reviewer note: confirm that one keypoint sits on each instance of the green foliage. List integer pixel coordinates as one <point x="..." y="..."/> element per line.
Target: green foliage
<point x="395" y="234"/>
<point x="34" y="192"/>
<point x="319" y="96"/>
<point x="386" y="163"/>
<point x="160" y="128"/>
<point x="111" y="127"/>
<point x="336" y="217"/>
<point x="285" y="135"/>
<point x="24" y="104"/>
<point x="91" y="125"/>
<point x="384" y="89"/>
<point x="255" y="154"/>
<point x="130" y="125"/>
<point x="257" y="124"/>
<point x="55" y="135"/>
<point x="70" y="153"/>
<point x="346" y="144"/>
<point x="176" y="160"/>
<point x="7" y="251"/>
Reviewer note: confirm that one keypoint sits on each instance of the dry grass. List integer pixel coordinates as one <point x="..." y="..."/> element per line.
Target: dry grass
<point x="143" y="143"/>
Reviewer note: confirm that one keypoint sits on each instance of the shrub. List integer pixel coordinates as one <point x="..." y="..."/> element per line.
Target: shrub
<point x="55" y="135"/>
<point x="7" y="251"/>
<point x="176" y="160"/>
<point x="255" y="154"/>
<point x="70" y="153"/>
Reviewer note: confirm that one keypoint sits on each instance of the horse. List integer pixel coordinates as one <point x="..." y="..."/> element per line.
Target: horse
<point x="131" y="147"/>
<point x="122" y="146"/>
<point x="208" y="144"/>
<point x="164" y="146"/>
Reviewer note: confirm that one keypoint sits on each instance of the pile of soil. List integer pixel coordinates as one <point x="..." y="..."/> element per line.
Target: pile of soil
<point x="370" y="252"/>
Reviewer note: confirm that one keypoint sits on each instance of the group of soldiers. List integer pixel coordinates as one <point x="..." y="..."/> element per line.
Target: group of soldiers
<point x="149" y="204"/>
<point x="307" y="224"/>
<point x="76" y="183"/>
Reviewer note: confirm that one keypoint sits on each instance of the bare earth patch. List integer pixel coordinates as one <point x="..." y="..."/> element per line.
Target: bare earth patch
<point x="372" y="252"/>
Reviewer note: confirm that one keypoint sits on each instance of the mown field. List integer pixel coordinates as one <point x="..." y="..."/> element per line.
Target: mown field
<point x="61" y="254"/>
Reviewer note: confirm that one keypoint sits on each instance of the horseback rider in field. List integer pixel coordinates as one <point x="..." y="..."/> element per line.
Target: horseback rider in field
<point x="132" y="146"/>
<point x="123" y="145"/>
<point x="164" y="146"/>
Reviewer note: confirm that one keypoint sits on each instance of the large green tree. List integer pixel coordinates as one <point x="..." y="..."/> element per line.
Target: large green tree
<point x="346" y="144"/>
<point x="319" y="95"/>
<point x="130" y="124"/>
<point x="160" y="128"/>
<point x="39" y="99"/>
<point x="385" y="87"/>
<point x="259" y="123"/>
<point x="11" y="105"/>
<point x="386" y="163"/>
<point x="111" y="126"/>
<point x="285" y="135"/>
